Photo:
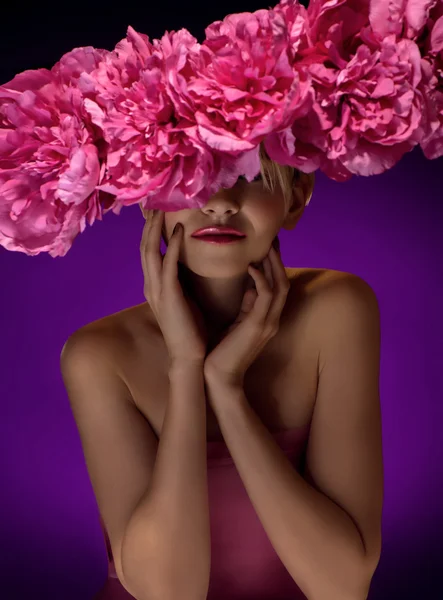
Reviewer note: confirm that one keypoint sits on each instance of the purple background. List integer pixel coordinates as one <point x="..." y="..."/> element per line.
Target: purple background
<point x="386" y="229"/>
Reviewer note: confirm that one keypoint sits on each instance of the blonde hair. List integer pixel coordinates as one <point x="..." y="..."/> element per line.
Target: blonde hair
<point x="274" y="174"/>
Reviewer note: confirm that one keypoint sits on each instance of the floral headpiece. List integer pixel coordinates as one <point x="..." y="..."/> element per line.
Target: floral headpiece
<point x="344" y="86"/>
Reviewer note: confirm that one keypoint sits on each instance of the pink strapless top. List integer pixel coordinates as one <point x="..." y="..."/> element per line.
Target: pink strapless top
<point x="244" y="564"/>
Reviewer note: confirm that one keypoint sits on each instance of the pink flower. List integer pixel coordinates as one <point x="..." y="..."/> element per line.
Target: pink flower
<point x="49" y="162"/>
<point x="403" y="18"/>
<point x="154" y="151"/>
<point x="368" y="109"/>
<point x="246" y="84"/>
<point x="430" y="43"/>
<point x="421" y="22"/>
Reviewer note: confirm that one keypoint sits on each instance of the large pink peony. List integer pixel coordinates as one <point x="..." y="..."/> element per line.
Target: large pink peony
<point x="369" y="104"/>
<point x="432" y="144"/>
<point x="154" y="153"/>
<point x="421" y="22"/>
<point x="430" y="42"/>
<point x="247" y="84"/>
<point x="49" y="159"/>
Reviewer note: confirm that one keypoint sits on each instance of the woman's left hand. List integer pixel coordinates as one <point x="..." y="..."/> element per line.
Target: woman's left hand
<point x="257" y="322"/>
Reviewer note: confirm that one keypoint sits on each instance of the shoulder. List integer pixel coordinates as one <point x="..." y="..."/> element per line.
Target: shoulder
<point x="333" y="298"/>
<point x="339" y="292"/>
<point x="345" y="313"/>
<point x="114" y="339"/>
<point x="102" y="341"/>
<point x="320" y="279"/>
<point x="326" y="287"/>
<point x="318" y="283"/>
<point x="115" y="330"/>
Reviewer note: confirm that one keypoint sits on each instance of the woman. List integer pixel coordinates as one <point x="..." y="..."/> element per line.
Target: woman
<point x="231" y="423"/>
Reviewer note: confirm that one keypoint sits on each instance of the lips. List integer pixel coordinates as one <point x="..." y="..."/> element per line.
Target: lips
<point x="220" y="239"/>
<point x="214" y="231"/>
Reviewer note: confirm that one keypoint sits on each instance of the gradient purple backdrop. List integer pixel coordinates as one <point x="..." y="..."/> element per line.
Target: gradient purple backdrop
<point x="386" y="229"/>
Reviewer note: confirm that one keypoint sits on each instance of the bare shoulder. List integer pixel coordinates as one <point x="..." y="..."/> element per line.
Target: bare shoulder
<point x="118" y="337"/>
<point x="316" y="282"/>
<point x="338" y="286"/>
<point x="319" y="278"/>
<point x="307" y="283"/>
<point x="120" y="327"/>
<point x="338" y="300"/>
<point x="107" y="336"/>
<point x="323" y="292"/>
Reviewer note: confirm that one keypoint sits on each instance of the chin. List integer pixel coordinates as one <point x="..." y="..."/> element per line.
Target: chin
<point x="222" y="271"/>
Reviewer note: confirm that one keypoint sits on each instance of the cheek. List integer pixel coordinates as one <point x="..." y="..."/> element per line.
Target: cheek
<point x="266" y="216"/>
<point x="264" y="204"/>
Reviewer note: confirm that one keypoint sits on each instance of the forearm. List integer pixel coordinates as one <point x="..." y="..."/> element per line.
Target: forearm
<point x="315" y="539"/>
<point x="167" y="545"/>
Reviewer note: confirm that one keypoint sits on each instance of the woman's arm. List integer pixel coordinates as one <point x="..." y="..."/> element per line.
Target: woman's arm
<point x="166" y="552"/>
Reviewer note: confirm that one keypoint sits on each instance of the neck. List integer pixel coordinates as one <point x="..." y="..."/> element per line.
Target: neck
<point x="219" y="299"/>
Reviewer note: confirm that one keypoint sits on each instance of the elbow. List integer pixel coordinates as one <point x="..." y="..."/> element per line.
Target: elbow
<point x="146" y="581"/>
<point x="371" y="567"/>
<point x="363" y="585"/>
<point x="358" y="583"/>
<point x="364" y="574"/>
<point x="357" y="593"/>
<point x="139" y="591"/>
<point x="370" y="564"/>
<point x="154" y="566"/>
<point x="129" y="587"/>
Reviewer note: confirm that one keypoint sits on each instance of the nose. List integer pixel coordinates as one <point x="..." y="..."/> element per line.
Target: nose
<point x="222" y="203"/>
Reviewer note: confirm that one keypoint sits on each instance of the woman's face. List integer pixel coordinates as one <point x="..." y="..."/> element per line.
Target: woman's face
<point x="248" y="207"/>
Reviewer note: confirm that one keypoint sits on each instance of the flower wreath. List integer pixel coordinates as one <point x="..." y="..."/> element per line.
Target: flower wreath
<point x="344" y="86"/>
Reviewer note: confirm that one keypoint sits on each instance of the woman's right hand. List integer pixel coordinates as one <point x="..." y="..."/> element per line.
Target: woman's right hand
<point x="178" y="316"/>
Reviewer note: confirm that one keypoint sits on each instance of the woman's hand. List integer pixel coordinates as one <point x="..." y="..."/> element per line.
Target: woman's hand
<point x="179" y="318"/>
<point x="257" y="322"/>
